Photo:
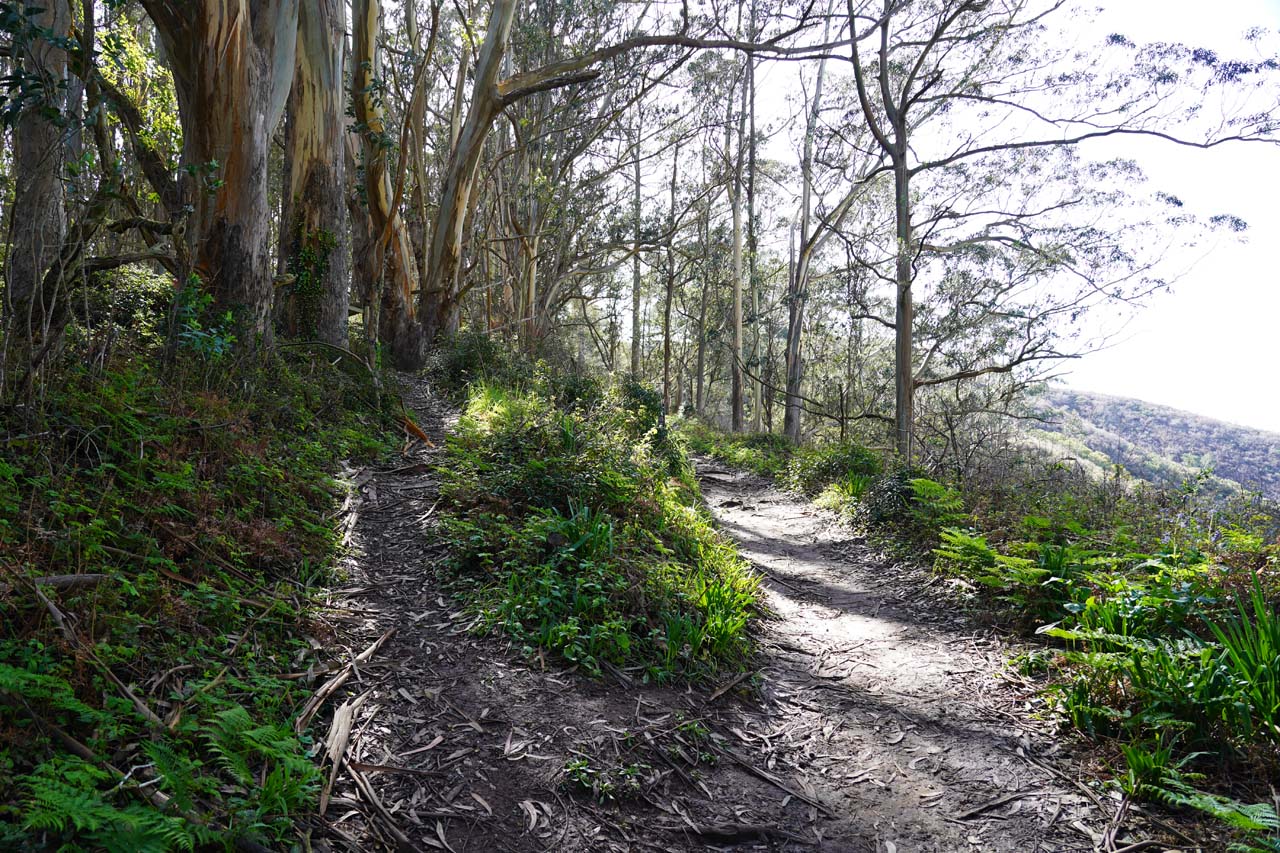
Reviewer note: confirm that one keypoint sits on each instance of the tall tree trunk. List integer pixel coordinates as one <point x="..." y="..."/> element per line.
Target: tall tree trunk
<point x="700" y="364"/>
<point x="394" y="268"/>
<point x="314" y="228"/>
<point x="670" y="299"/>
<point x="736" y="391"/>
<point x="799" y="284"/>
<point x="795" y="328"/>
<point x="757" y="401"/>
<point x="635" y="257"/>
<point x="904" y="319"/>
<point x="39" y="221"/>
<point x="233" y="63"/>
<point x="439" y="298"/>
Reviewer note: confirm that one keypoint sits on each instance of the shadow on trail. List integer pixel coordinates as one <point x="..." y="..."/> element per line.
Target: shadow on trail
<point x="887" y="703"/>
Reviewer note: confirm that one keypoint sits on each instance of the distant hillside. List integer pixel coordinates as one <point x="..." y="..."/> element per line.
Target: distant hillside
<point x="1160" y="443"/>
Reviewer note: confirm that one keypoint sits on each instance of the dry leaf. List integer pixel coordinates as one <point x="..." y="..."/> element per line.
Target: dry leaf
<point x="530" y="812"/>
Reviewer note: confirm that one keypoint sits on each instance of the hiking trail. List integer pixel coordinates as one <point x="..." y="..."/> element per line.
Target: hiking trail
<point x="875" y="716"/>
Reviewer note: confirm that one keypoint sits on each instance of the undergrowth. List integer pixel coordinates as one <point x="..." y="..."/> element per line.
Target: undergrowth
<point x="577" y="527"/>
<point x="764" y="454"/>
<point x="173" y="521"/>
<point x="1164" y="636"/>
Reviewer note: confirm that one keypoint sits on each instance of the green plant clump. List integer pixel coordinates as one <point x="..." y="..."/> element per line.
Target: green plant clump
<point x="762" y="453"/>
<point x="577" y="528"/>
<point x="811" y="469"/>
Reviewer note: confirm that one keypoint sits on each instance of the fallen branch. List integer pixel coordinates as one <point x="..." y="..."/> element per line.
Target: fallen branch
<point x="56" y="615"/>
<point x="988" y="806"/>
<point x="734" y="833"/>
<point x="331" y="686"/>
<point x="61" y="582"/>
<point x="336" y="743"/>
<point x="403" y="844"/>
<point x="734" y="682"/>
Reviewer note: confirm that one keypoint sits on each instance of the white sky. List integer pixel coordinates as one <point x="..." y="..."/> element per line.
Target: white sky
<point x="1212" y="346"/>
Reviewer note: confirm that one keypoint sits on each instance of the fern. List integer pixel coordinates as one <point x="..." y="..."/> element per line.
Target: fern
<point x="66" y="798"/>
<point x="1251" y="817"/>
<point x="64" y="795"/>
<point x="965" y="552"/>
<point x="290" y="778"/>
<point x="224" y="737"/>
<point x="177" y="774"/>
<point x="48" y="690"/>
<point x="1153" y="774"/>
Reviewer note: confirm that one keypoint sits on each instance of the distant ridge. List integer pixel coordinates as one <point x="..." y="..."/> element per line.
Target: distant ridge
<point x="1161" y="443"/>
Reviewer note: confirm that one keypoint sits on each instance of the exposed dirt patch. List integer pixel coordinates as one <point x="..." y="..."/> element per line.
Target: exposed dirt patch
<point x="873" y="718"/>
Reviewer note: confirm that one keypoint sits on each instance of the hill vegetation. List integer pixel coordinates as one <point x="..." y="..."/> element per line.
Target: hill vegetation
<point x="1166" y="445"/>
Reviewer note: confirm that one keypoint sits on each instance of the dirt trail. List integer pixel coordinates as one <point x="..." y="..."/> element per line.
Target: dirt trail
<point x="872" y="720"/>
<point x="911" y="728"/>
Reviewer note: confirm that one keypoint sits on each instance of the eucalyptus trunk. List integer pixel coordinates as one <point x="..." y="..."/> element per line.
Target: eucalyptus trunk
<point x="736" y="393"/>
<point x="635" y="259"/>
<point x="904" y="376"/>
<point x="233" y="65"/>
<point x="439" y="299"/>
<point x="392" y="262"/>
<point x="799" y="284"/>
<point x="38" y="219"/>
<point x="314" y="228"/>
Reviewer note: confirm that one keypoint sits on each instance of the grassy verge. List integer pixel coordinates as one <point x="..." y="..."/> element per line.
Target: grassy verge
<point x="182" y="518"/>
<point x="577" y="528"/>
<point x="764" y="454"/>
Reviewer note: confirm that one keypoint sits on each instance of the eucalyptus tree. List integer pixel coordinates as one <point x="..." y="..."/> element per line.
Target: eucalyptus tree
<point x="945" y="82"/>
<point x="559" y="168"/>
<point x="233" y="64"/>
<point x="315" y="234"/>
<point x="38" y="115"/>
<point x="837" y="173"/>
<point x="391" y="291"/>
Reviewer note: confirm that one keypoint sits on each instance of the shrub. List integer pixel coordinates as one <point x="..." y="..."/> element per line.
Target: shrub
<point x="845" y="496"/>
<point x="889" y="497"/>
<point x="578" y="531"/>
<point x="472" y="356"/>
<point x="761" y="453"/>
<point x="811" y="469"/>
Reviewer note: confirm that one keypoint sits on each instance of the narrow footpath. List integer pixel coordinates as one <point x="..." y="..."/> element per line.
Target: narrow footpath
<point x="875" y="717"/>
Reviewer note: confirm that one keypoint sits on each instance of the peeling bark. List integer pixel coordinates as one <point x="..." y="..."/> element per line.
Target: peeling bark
<point x="393" y="265"/>
<point x="233" y="63"/>
<point x="38" y="156"/>
<point x="314" y="228"/>
<point x="438" y="301"/>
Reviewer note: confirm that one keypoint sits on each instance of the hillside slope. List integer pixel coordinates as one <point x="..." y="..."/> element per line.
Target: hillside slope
<point x="1163" y="444"/>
